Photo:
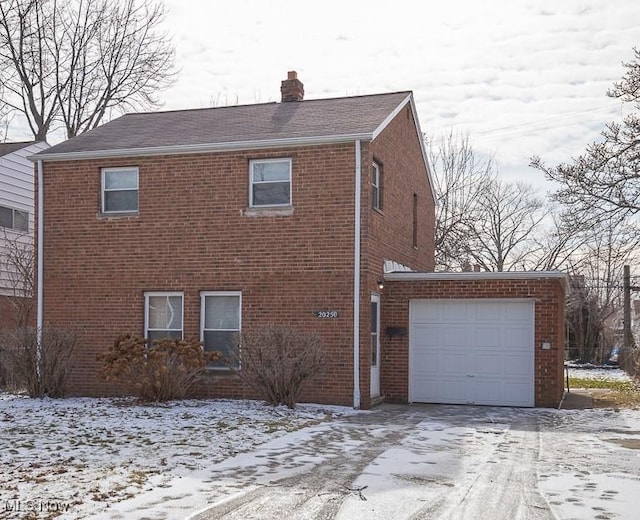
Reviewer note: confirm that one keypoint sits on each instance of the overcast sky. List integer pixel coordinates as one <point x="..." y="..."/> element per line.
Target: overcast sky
<point x="521" y="77"/>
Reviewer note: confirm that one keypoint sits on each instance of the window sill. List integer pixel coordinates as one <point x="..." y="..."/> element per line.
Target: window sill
<point x="269" y="211"/>
<point x="222" y="372"/>
<point x="115" y="214"/>
<point x="378" y="211"/>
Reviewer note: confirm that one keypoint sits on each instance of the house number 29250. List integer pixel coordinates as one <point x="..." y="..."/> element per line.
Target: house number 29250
<point x="326" y="314"/>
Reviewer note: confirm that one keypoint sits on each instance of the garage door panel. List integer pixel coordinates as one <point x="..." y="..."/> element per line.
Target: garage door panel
<point x="487" y="392"/>
<point x="453" y="363"/>
<point x="486" y="336"/>
<point x="454" y="337"/>
<point x="450" y="391"/>
<point x="426" y="336"/>
<point x="427" y="363"/>
<point x="472" y="351"/>
<point x="486" y="365"/>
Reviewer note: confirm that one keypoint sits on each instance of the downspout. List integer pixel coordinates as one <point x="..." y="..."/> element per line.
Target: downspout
<point x="40" y="232"/>
<point x="356" y="280"/>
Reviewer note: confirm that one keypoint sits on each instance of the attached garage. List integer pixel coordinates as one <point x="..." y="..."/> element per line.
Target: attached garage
<point x="472" y="352"/>
<point x="473" y="338"/>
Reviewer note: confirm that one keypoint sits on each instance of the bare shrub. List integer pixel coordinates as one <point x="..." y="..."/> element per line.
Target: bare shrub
<point x="40" y="370"/>
<point x="161" y="371"/>
<point x="630" y="362"/>
<point x="276" y="362"/>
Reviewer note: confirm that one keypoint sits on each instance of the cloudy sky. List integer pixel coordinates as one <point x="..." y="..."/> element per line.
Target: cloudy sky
<point x="521" y="77"/>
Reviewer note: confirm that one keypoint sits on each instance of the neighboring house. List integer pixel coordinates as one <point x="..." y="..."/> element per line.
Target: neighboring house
<point x="205" y="222"/>
<point x="16" y="223"/>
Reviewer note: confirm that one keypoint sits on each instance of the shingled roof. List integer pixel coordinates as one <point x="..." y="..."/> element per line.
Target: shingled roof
<point x="7" y="148"/>
<point x="235" y="127"/>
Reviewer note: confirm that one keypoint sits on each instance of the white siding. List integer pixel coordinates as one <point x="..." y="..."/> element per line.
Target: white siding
<point x="17" y="192"/>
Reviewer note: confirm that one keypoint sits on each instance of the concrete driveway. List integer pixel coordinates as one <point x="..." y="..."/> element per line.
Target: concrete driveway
<point x="428" y="461"/>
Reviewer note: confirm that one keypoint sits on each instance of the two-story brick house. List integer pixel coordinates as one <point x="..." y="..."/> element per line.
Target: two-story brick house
<point x="202" y="222"/>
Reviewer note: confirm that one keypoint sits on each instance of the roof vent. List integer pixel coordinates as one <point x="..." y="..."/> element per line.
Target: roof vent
<point x="292" y="88"/>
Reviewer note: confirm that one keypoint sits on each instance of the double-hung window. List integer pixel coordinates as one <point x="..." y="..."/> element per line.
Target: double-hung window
<point x="163" y="315"/>
<point x="14" y="219"/>
<point x="220" y="320"/>
<point x="270" y="182"/>
<point x="120" y="190"/>
<point x="376" y="186"/>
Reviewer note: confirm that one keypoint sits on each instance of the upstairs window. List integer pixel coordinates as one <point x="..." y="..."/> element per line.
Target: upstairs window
<point x="220" y="323"/>
<point x="376" y="186"/>
<point x="270" y="182"/>
<point x="120" y="190"/>
<point x="163" y="315"/>
<point x="14" y="219"/>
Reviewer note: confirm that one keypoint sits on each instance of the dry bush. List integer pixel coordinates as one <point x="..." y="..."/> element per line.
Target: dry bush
<point x="276" y="361"/>
<point x="161" y="371"/>
<point x="630" y="362"/>
<point x="40" y="371"/>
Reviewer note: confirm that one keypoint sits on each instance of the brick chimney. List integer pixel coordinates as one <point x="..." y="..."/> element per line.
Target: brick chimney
<point x="292" y="88"/>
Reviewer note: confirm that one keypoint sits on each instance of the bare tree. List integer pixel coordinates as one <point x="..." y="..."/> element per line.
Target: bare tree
<point x="78" y="61"/>
<point x="459" y="177"/>
<point x="502" y="234"/>
<point x="5" y="119"/>
<point x="605" y="181"/>
<point x="558" y="241"/>
<point x="596" y="291"/>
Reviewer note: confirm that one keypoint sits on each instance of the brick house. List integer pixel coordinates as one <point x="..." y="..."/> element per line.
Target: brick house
<point x="203" y="222"/>
<point x="198" y="222"/>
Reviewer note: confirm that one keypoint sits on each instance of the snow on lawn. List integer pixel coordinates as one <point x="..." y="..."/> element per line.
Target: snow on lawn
<point x="82" y="456"/>
<point x="595" y="372"/>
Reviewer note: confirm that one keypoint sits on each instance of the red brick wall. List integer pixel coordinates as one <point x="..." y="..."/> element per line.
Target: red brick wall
<point x="388" y="234"/>
<point x="549" y="326"/>
<point x="190" y="235"/>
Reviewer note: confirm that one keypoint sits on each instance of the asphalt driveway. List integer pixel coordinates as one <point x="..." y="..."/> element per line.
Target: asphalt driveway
<point x="454" y="462"/>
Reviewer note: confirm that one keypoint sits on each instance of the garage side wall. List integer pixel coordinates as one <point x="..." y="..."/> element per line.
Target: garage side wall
<point x="549" y="328"/>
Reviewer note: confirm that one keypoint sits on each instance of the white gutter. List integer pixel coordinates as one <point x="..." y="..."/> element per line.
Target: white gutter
<point x="356" y="281"/>
<point x="40" y="233"/>
<point x="199" y="148"/>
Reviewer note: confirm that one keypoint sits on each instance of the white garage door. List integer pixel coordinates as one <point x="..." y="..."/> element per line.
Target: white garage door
<point x="472" y="352"/>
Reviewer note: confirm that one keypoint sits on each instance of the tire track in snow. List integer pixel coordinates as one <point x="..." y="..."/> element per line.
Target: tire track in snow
<point x="505" y="488"/>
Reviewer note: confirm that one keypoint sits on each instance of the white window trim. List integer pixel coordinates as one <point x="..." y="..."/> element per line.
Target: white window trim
<point x="103" y="190"/>
<point x="203" y="295"/>
<point x="375" y="298"/>
<point x="375" y="183"/>
<point x="257" y="161"/>
<point x="149" y="294"/>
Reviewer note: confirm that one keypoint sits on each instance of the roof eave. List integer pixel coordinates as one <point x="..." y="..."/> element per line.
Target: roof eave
<point x="200" y="148"/>
<point x="483" y="275"/>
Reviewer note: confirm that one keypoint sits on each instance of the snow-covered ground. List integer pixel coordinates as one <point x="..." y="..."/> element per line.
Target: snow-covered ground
<point x="112" y="459"/>
<point x="596" y="372"/>
<point x="84" y="456"/>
